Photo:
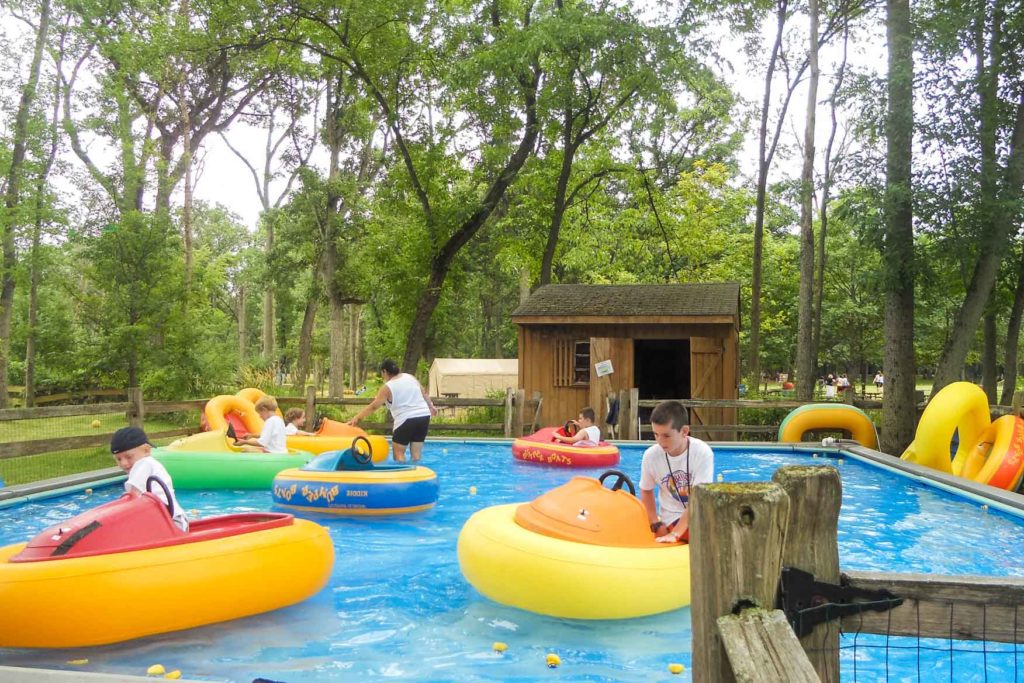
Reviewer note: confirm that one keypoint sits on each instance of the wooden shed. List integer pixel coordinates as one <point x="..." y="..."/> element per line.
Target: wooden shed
<point x="668" y="341"/>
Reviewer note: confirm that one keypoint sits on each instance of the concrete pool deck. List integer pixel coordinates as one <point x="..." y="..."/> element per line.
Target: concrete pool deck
<point x="18" y="674"/>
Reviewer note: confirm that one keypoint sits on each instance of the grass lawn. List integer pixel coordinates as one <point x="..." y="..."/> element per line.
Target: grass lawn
<point x="30" y="468"/>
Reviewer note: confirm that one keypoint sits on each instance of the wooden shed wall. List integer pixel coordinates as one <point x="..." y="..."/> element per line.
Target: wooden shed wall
<point x="714" y="365"/>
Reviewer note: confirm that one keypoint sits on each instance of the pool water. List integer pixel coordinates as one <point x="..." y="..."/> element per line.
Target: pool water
<point x="397" y="605"/>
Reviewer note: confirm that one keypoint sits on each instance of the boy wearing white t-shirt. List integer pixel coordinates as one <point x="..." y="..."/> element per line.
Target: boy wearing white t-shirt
<point x="131" y="449"/>
<point x="273" y="438"/>
<point x="588" y="433"/>
<point x="676" y="464"/>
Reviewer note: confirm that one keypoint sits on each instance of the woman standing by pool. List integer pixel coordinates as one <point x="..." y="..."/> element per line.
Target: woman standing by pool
<point x="410" y="406"/>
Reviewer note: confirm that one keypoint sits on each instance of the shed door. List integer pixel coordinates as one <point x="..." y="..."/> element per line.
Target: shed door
<point x="707" y="370"/>
<point x="620" y="352"/>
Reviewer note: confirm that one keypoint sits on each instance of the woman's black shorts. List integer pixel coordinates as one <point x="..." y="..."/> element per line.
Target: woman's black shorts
<point x="413" y="430"/>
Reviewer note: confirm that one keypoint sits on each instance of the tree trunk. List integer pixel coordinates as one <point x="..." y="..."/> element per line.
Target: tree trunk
<point x="33" y="307"/>
<point x="561" y="189"/>
<point x="242" y="331"/>
<point x="898" y="405"/>
<point x="997" y="224"/>
<point x="989" y="374"/>
<point x="302" y="364"/>
<point x="12" y="199"/>
<point x="337" y="383"/>
<point x="442" y="261"/>
<point x="826" y="190"/>
<point x="353" y="344"/>
<point x="1013" y="339"/>
<point x="764" y="163"/>
<point x="186" y="209"/>
<point x="268" y="303"/>
<point x="805" y="359"/>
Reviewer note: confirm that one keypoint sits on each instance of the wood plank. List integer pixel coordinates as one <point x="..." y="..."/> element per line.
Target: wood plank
<point x="455" y="426"/>
<point x="173" y="406"/>
<point x="815" y="495"/>
<point x="17" y="449"/>
<point x="745" y="525"/>
<point x="935" y="606"/>
<point x="763" y="649"/>
<point x="365" y="401"/>
<point x="63" y="411"/>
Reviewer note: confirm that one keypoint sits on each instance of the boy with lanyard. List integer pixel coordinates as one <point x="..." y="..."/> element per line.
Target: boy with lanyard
<point x="676" y="464"/>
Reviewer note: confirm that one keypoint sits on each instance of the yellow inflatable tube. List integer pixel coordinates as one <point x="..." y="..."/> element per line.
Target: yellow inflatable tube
<point x="321" y="444"/>
<point x="961" y="407"/>
<point x="837" y="416"/>
<point x="517" y="567"/>
<point x="81" y="602"/>
<point x="219" y="406"/>
<point x="998" y="457"/>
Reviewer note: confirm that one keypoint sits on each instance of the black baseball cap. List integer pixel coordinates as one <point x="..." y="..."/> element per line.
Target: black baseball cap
<point x="127" y="438"/>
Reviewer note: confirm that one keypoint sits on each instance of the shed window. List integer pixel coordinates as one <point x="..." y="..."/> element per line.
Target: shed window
<point x="572" y="363"/>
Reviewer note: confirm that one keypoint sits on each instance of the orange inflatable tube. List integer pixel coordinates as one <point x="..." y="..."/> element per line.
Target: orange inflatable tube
<point x="219" y="406"/>
<point x="998" y="458"/>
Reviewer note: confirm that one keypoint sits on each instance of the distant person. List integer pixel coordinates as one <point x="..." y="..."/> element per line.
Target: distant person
<point x="410" y="406"/>
<point x="879" y="381"/>
<point x="132" y="451"/>
<point x="843" y="383"/>
<point x="272" y="438"/>
<point x="587" y="433"/>
<point x="673" y="466"/>
<point x="830" y="386"/>
<point x="294" y="421"/>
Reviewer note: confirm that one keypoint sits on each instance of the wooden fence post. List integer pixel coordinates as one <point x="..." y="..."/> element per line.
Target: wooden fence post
<point x="509" y="410"/>
<point x="518" y="413"/>
<point x="538" y="398"/>
<point x="815" y="496"/>
<point x="310" y="405"/>
<point x="137" y="411"/>
<point x="1018" y="399"/>
<point x="629" y="413"/>
<point x="736" y="536"/>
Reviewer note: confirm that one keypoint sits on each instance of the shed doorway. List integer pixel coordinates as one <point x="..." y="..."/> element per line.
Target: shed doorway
<point x="661" y="370"/>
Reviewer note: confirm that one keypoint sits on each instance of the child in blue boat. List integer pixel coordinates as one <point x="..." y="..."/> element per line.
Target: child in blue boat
<point x="587" y="433"/>
<point x="132" y="451"/>
<point x="674" y="465"/>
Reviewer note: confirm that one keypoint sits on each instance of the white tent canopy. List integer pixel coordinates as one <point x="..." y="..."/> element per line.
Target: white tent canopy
<point x="472" y="377"/>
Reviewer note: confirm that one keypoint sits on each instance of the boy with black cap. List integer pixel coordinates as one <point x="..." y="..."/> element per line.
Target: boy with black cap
<point x="131" y="449"/>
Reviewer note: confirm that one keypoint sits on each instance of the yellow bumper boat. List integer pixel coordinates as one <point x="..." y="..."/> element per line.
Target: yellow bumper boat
<point x="580" y="551"/>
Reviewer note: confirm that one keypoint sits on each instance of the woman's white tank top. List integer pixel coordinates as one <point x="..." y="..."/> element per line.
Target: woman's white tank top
<point x="406" y="399"/>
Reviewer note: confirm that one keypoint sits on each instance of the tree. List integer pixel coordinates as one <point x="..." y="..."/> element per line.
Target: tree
<point x="13" y="214"/>
<point x="898" y="404"/>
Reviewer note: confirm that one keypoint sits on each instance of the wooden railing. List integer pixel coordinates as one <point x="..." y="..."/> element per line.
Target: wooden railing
<point x="760" y="527"/>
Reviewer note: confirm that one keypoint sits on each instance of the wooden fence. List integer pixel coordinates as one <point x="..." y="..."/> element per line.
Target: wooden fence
<point x="759" y="528"/>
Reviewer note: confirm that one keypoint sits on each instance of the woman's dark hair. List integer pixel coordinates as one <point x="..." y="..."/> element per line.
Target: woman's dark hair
<point x="389" y="366"/>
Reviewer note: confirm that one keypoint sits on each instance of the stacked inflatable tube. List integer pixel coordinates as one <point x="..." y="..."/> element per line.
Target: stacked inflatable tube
<point x="829" y="416"/>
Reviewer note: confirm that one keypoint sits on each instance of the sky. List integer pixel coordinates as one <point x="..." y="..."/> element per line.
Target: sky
<point x="223" y="178"/>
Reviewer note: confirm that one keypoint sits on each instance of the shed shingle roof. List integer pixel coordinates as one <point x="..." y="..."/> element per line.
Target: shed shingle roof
<point x="695" y="298"/>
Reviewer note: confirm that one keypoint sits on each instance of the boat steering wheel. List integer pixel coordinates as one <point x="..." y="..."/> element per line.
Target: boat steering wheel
<point x="621" y="478"/>
<point x="167" y="493"/>
<point x="359" y="456"/>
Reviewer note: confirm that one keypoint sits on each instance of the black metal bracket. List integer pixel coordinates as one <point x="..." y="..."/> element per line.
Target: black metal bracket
<point x="808" y="603"/>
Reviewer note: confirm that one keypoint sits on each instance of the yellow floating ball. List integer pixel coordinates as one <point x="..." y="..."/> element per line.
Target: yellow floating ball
<point x="156" y="670"/>
<point x="95" y="423"/>
<point x="78" y="662"/>
<point x="499" y="647"/>
<point x="173" y="675"/>
<point x="88" y="492"/>
<point x="553" y="660"/>
<point x="676" y="668"/>
<point x="472" y="490"/>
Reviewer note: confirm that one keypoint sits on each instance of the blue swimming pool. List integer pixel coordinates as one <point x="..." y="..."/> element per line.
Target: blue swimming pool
<point x="398" y="607"/>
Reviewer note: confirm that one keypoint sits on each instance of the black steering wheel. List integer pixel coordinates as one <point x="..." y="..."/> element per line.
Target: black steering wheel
<point x="621" y="478"/>
<point x="167" y="493"/>
<point x="318" y="422"/>
<point x="571" y="427"/>
<point x="362" y="457"/>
